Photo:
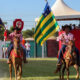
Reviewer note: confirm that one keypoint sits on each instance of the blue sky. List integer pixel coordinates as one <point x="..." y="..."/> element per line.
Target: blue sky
<point x="28" y="10"/>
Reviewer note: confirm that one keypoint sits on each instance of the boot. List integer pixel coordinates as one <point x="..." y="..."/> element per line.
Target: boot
<point x="59" y="63"/>
<point x="58" y="66"/>
<point x="58" y="69"/>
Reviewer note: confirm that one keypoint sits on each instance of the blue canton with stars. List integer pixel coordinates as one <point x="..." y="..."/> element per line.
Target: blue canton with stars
<point x="1" y="23"/>
<point x="47" y="10"/>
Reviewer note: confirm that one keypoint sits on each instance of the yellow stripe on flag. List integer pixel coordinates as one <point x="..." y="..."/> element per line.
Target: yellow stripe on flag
<point x="43" y="22"/>
<point x="46" y="29"/>
<point x="39" y="20"/>
<point x="50" y="35"/>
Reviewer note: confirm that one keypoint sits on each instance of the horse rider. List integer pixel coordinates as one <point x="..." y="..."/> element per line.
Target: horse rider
<point x="17" y="32"/>
<point x="65" y="37"/>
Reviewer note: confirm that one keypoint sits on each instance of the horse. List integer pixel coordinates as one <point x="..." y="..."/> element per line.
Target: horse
<point x="68" y="60"/>
<point x="16" y="58"/>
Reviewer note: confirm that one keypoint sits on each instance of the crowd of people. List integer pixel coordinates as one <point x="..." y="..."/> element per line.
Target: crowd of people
<point x="72" y="26"/>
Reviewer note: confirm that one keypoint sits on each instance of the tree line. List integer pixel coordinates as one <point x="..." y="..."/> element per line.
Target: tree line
<point x="26" y="33"/>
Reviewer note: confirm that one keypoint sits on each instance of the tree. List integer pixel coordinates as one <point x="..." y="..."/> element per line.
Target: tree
<point x="28" y="33"/>
<point x="11" y="29"/>
<point x="2" y="33"/>
<point x="1" y="30"/>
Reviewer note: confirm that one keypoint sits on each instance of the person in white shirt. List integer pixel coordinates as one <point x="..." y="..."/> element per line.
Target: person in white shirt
<point x="28" y="48"/>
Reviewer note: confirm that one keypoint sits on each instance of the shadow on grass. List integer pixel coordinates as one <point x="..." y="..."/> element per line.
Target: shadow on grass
<point x="65" y="79"/>
<point x="34" y="69"/>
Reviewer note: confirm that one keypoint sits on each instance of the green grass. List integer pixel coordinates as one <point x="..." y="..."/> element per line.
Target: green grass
<point x="36" y="69"/>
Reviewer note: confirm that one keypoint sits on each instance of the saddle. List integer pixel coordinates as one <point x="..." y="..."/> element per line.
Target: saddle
<point x="67" y="54"/>
<point x="14" y="54"/>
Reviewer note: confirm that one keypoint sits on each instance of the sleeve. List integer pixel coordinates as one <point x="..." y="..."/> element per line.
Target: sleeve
<point x="5" y="35"/>
<point x="10" y="36"/>
<point x="21" y="37"/>
<point x="72" y="37"/>
<point x="59" y="37"/>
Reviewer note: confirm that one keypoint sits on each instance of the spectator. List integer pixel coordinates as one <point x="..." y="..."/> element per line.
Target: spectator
<point x="2" y="52"/>
<point x="23" y="42"/>
<point x="28" y="49"/>
<point x="74" y="26"/>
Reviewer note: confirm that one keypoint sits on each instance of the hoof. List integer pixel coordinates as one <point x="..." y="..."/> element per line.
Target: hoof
<point x="56" y="71"/>
<point x="77" y="77"/>
<point x="18" y="78"/>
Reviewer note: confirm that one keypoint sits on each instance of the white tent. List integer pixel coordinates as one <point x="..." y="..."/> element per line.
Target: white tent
<point x="63" y="12"/>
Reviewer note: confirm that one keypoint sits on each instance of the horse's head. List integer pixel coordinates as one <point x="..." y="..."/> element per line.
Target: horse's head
<point x="69" y="56"/>
<point x="16" y="42"/>
<point x="17" y="49"/>
<point x="71" y="43"/>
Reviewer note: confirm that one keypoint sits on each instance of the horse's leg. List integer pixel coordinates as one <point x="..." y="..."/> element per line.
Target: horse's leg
<point x="59" y="70"/>
<point x="63" y="70"/>
<point x="19" y="71"/>
<point x="67" y="73"/>
<point x="77" y="69"/>
<point x="67" y="68"/>
<point x="20" y="67"/>
<point x="15" y="73"/>
<point x="60" y="75"/>
<point x="10" y="70"/>
<point x="15" y="69"/>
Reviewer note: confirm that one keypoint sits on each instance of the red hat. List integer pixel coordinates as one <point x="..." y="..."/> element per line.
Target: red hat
<point x="18" y="23"/>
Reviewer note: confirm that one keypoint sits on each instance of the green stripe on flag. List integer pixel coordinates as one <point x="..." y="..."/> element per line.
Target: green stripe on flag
<point x="48" y="32"/>
<point x="43" y="22"/>
<point x="47" y="26"/>
<point x="44" y="27"/>
<point x="41" y="19"/>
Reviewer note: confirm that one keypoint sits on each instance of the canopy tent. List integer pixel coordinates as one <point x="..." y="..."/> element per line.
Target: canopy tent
<point x="63" y="12"/>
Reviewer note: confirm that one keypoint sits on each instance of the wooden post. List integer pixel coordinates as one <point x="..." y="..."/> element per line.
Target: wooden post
<point x="43" y="51"/>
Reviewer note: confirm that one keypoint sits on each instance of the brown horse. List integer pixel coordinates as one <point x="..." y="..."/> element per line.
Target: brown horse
<point x="16" y="57"/>
<point x="69" y="60"/>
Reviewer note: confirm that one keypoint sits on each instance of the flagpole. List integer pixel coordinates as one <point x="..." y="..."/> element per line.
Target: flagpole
<point x="4" y="43"/>
<point x="43" y="44"/>
<point x="43" y="51"/>
<point x="35" y="47"/>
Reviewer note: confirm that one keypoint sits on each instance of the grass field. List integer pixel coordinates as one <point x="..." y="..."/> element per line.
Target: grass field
<point x="36" y="69"/>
